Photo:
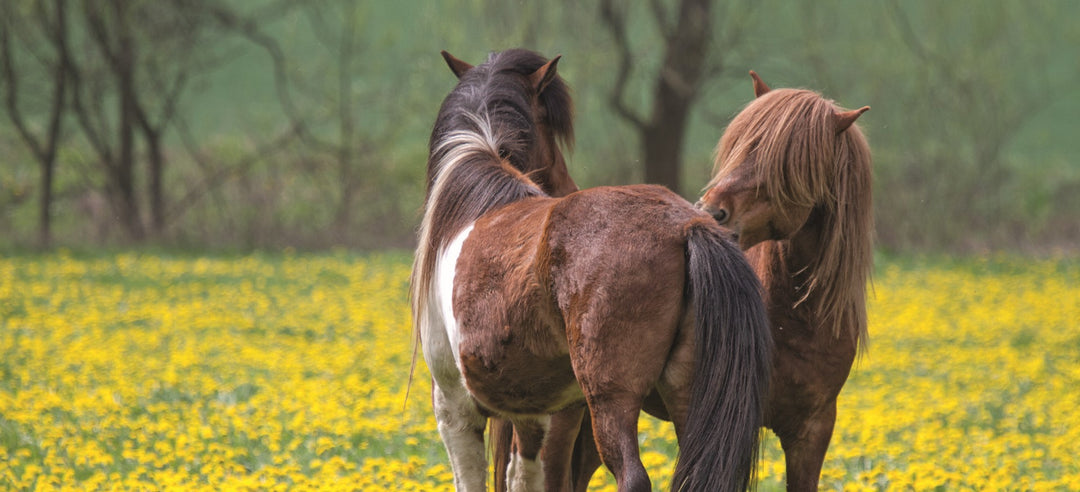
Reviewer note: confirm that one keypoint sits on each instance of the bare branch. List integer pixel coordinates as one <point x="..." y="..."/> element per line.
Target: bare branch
<point x="83" y="114"/>
<point x="11" y="90"/>
<point x="615" y="20"/>
<point x="273" y="10"/>
<point x="100" y="33"/>
<point x="911" y="39"/>
<point x="171" y="99"/>
<point x="663" y="22"/>
<point x="736" y="18"/>
<point x="44" y="149"/>
<point x="60" y="80"/>
<point x="216" y="178"/>
<point x="85" y="107"/>
<point x="346" y="55"/>
<point x="250" y="30"/>
<point x="319" y="27"/>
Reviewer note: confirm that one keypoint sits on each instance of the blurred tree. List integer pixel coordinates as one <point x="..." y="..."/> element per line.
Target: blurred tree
<point x="223" y="23"/>
<point x="967" y="85"/>
<point x="329" y="99"/>
<point x="46" y="29"/>
<point x="688" y="61"/>
<point x="974" y="105"/>
<point x="335" y="108"/>
<point x="139" y="55"/>
<point x="121" y="68"/>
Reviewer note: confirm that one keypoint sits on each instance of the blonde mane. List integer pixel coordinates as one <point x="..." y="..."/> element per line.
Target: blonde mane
<point x="789" y="138"/>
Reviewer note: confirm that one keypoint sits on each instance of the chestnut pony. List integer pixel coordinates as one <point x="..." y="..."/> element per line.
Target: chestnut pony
<point x="527" y="304"/>
<point x="792" y="180"/>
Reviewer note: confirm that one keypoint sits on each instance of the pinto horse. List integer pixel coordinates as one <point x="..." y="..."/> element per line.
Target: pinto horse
<point x="526" y="303"/>
<point x="792" y="180"/>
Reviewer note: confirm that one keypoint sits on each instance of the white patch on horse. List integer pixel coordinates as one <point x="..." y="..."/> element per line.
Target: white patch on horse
<point x="524" y="474"/>
<point x="446" y="271"/>
<point x="462" y="429"/>
<point x="461" y="424"/>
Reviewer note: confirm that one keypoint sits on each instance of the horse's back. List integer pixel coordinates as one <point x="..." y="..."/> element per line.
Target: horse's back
<point x="651" y="205"/>
<point x="625" y="230"/>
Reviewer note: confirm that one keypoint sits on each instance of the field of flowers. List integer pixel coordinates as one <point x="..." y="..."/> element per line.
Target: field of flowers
<point x="289" y="372"/>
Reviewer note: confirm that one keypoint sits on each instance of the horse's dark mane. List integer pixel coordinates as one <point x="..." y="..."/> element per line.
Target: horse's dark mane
<point x="497" y="89"/>
<point x="482" y="151"/>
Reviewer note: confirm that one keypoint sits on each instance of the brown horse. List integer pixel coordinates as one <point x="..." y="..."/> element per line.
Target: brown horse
<point x="527" y="304"/>
<point x="792" y="179"/>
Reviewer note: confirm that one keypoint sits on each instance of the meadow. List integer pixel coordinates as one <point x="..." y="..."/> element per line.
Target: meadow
<point x="285" y="371"/>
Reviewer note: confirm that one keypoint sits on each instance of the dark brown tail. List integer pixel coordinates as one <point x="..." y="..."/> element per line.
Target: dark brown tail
<point x="719" y="447"/>
<point x="501" y="445"/>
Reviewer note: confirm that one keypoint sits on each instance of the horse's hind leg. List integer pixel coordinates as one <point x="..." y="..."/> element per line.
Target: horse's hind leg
<point x="586" y="458"/>
<point x="525" y="471"/>
<point x="616" y="372"/>
<point x="615" y="430"/>
<point x="805" y="448"/>
<point x="558" y="452"/>
<point x="461" y="426"/>
<point x="675" y="383"/>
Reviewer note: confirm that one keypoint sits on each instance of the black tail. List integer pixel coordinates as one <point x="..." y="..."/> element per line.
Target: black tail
<point x="719" y="449"/>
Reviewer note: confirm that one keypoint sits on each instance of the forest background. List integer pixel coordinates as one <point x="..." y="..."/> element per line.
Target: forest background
<point x="229" y="125"/>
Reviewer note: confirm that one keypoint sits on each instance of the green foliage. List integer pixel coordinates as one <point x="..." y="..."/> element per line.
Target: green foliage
<point x="973" y="121"/>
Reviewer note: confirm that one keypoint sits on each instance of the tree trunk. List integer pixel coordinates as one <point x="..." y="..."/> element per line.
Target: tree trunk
<point x="155" y="173"/>
<point x="662" y="148"/>
<point x="347" y="121"/>
<point x="124" y="173"/>
<point x="676" y="88"/>
<point x="48" y="162"/>
<point x="45" y="205"/>
<point x="44" y="148"/>
<point x="662" y="142"/>
<point x="685" y="55"/>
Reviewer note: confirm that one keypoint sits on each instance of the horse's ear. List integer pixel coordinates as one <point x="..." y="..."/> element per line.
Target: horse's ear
<point x="457" y="66"/>
<point x="544" y="75"/>
<point x="846" y="118"/>
<point x="759" y="86"/>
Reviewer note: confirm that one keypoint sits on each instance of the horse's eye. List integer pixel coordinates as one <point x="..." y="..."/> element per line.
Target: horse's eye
<point x="721" y="216"/>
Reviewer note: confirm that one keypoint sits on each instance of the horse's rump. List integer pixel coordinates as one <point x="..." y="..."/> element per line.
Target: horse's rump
<point x="616" y="248"/>
<point x="534" y="272"/>
<point x="513" y="347"/>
